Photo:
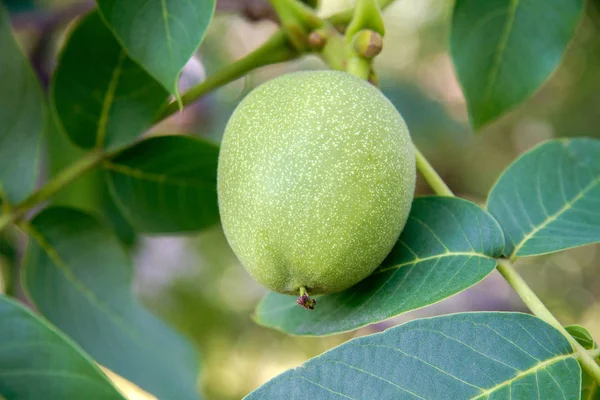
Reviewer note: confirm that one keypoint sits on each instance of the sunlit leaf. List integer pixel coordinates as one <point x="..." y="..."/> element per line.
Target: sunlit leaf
<point x="448" y="245"/>
<point x="39" y="362"/>
<point x="504" y="50"/>
<point x="548" y="199"/>
<point x="101" y="97"/>
<point x="167" y="184"/>
<point x="21" y="118"/>
<point x="460" y="356"/>
<point x="80" y="277"/>
<point x="161" y="35"/>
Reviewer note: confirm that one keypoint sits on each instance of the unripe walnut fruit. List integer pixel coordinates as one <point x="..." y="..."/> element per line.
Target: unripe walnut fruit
<point x="316" y="178"/>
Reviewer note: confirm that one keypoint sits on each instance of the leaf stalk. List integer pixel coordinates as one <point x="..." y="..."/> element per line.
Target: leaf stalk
<point x="513" y="278"/>
<point x="536" y="306"/>
<point x="430" y="175"/>
<point x="297" y="20"/>
<point x="275" y="50"/>
<point x="62" y="179"/>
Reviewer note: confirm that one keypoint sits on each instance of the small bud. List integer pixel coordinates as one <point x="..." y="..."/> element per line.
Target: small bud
<point x="317" y="40"/>
<point x="367" y="43"/>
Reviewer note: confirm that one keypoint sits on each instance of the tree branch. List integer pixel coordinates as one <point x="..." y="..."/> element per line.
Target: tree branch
<point x="430" y="175"/>
<point x="273" y="51"/>
<point x="539" y="309"/>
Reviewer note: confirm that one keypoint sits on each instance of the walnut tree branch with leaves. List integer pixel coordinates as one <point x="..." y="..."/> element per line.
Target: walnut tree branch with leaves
<point x="315" y="182"/>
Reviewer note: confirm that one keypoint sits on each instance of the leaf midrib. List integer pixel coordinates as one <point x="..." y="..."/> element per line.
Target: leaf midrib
<point x="435" y="257"/>
<point x="165" y="15"/>
<point x="500" y="50"/>
<point x="64" y="267"/>
<point x="108" y="100"/>
<point x="534" y="369"/>
<point x="568" y="205"/>
<point x="161" y="179"/>
<point x="81" y="287"/>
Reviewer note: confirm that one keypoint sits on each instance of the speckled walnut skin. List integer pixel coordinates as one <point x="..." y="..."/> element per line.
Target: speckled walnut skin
<point x="316" y="178"/>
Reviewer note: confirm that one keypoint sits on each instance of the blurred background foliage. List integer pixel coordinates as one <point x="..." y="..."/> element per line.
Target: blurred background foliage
<point x="196" y="282"/>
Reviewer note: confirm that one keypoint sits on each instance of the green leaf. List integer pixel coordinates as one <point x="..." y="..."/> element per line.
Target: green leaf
<point x="19" y="5"/>
<point x="113" y="214"/>
<point x="8" y="262"/>
<point x="167" y="184"/>
<point x="161" y="35"/>
<point x="589" y="388"/>
<point x="80" y="277"/>
<point x="504" y="50"/>
<point x="89" y="191"/>
<point x="460" y="356"/>
<point x="39" y="362"/>
<point x="101" y="97"/>
<point x="582" y="335"/>
<point x="448" y="245"/>
<point x="548" y="199"/>
<point x="21" y="118"/>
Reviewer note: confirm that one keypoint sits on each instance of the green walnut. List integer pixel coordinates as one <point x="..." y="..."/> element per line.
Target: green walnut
<point x="315" y="182"/>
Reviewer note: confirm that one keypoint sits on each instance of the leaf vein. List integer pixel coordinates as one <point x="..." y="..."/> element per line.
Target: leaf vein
<point x="555" y="216"/>
<point x="541" y="366"/>
<point x="500" y="49"/>
<point x="108" y="100"/>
